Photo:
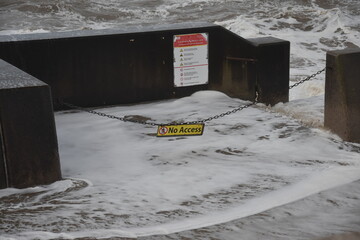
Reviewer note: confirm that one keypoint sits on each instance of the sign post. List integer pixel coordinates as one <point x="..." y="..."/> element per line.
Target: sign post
<point x="191" y="62"/>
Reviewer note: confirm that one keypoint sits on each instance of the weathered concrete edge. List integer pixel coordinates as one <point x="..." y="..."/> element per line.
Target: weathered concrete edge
<point x="101" y="32"/>
<point x="38" y="163"/>
<point x="342" y="98"/>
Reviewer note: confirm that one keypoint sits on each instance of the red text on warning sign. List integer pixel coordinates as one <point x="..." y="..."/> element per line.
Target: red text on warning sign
<point x="189" y="40"/>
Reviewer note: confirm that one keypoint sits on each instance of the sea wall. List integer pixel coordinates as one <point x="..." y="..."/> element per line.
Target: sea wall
<point x="106" y="67"/>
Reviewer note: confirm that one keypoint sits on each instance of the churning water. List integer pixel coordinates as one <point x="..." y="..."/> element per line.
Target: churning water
<point x="55" y="15"/>
<point x="133" y="187"/>
<point x="312" y="26"/>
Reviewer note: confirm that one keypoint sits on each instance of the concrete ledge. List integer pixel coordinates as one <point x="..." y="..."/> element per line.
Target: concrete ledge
<point x="28" y="142"/>
<point x="342" y="93"/>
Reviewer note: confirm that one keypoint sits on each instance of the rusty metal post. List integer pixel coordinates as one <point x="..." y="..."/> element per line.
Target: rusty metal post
<point x="28" y="143"/>
<point x="342" y="93"/>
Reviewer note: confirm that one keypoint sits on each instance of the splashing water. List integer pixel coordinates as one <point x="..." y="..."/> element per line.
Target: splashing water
<point x="138" y="185"/>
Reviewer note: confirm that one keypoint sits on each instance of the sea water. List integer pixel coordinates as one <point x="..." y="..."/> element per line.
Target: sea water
<point x="312" y="26"/>
<point x="121" y="181"/>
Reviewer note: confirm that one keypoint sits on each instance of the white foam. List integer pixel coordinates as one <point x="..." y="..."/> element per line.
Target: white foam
<point x="138" y="185"/>
<point x="22" y="31"/>
<point x="330" y="30"/>
<point x="324" y="180"/>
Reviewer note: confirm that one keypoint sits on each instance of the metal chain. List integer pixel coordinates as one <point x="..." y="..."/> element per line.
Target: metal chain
<point x="107" y="115"/>
<point x="307" y="78"/>
<point x="190" y="122"/>
<point x="226" y="113"/>
<point x="160" y="124"/>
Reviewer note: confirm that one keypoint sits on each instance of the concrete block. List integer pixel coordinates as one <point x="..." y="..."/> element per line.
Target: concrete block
<point x="272" y="69"/>
<point x="342" y="93"/>
<point x="28" y="142"/>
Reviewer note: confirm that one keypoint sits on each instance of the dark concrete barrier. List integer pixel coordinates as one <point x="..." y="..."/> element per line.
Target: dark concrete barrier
<point x="28" y="143"/>
<point x="105" y="67"/>
<point x="272" y="69"/>
<point x="342" y="93"/>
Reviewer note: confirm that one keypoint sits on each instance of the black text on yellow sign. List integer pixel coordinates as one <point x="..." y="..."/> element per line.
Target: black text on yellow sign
<point x="180" y="130"/>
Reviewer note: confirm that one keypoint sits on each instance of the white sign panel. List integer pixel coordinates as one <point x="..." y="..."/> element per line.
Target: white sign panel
<point x="191" y="65"/>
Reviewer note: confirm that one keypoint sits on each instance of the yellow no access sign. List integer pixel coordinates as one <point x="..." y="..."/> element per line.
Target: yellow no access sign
<point x="180" y="130"/>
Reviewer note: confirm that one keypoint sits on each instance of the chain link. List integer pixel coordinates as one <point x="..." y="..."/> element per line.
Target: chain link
<point x="124" y="119"/>
<point x="307" y="78"/>
<point x="226" y="113"/>
<point x="108" y="115"/>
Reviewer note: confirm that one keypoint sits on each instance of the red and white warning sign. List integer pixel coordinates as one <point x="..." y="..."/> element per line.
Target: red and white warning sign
<point x="191" y="63"/>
